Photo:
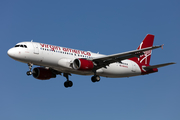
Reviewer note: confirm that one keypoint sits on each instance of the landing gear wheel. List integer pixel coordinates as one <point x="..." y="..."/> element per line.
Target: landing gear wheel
<point x="95" y="78"/>
<point x="29" y="73"/>
<point x="68" y="84"/>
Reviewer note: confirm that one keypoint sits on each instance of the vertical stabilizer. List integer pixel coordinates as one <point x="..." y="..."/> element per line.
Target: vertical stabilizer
<point x="145" y="58"/>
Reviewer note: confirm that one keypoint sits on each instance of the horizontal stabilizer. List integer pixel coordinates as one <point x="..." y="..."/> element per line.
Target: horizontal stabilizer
<point x="157" y="66"/>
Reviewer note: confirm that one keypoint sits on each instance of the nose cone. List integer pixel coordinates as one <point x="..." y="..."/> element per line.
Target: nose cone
<point x="10" y="52"/>
<point x="13" y="53"/>
<point x="16" y="54"/>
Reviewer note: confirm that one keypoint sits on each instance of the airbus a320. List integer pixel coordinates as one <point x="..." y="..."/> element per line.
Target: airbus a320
<point x="55" y="60"/>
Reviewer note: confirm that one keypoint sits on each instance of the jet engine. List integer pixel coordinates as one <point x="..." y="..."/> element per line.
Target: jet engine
<point x="82" y="64"/>
<point x="42" y="73"/>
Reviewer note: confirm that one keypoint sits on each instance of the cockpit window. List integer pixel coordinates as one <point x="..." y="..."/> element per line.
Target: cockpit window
<point x="23" y="46"/>
<point x="16" y="46"/>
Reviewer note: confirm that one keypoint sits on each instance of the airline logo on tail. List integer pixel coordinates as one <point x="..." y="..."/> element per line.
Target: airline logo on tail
<point x="145" y="58"/>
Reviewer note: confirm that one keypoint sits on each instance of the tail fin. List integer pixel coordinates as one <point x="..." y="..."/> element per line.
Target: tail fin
<point x="145" y="58"/>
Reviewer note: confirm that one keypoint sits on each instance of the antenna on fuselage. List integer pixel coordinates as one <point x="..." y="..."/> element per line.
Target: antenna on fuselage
<point x="31" y="40"/>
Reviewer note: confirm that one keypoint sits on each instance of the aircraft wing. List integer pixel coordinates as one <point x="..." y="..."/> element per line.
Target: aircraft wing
<point x="106" y="60"/>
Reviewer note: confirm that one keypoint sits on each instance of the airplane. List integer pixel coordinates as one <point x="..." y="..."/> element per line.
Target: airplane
<point x="55" y="60"/>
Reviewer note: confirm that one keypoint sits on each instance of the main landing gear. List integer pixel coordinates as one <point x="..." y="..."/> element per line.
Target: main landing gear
<point x="30" y="67"/>
<point x="68" y="83"/>
<point x="95" y="78"/>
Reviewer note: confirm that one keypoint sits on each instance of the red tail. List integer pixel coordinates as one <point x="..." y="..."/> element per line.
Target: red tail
<point x="147" y="42"/>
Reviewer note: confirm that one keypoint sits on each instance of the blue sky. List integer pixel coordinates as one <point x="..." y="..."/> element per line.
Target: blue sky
<point x="103" y="26"/>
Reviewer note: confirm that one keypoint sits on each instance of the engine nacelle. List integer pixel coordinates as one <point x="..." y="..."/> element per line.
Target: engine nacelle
<point x="42" y="73"/>
<point x="82" y="64"/>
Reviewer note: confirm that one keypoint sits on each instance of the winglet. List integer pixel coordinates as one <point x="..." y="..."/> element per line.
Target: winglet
<point x="162" y="46"/>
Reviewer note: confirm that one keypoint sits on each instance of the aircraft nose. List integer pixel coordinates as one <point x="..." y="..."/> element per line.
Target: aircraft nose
<point x="11" y="52"/>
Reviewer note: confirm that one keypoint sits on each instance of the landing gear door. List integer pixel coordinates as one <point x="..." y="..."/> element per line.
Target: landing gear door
<point x="36" y="48"/>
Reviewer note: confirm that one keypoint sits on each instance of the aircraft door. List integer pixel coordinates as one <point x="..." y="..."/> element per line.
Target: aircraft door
<point x="36" y="48"/>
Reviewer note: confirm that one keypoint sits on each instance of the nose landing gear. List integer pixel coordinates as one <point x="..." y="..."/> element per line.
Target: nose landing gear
<point x="30" y="67"/>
